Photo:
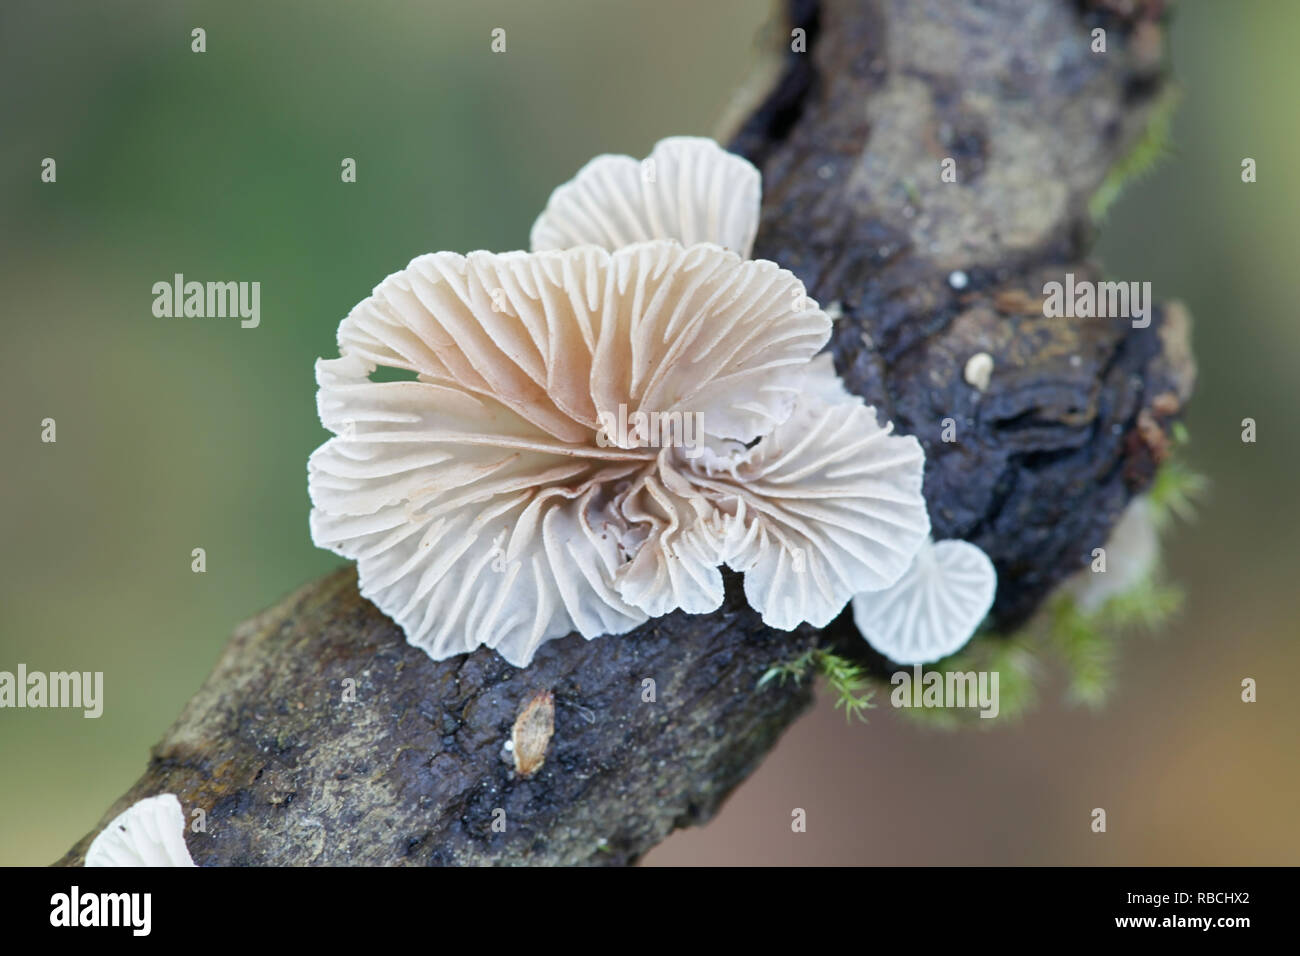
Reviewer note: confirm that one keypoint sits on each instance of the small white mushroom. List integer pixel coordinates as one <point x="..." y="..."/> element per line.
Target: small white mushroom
<point x="689" y="189"/>
<point x="149" y="833"/>
<point x="934" y="609"/>
<point x="1131" y="552"/>
<point x="979" y="369"/>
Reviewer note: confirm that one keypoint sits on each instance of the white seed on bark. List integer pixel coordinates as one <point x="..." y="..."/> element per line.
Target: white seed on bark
<point x="979" y="369"/>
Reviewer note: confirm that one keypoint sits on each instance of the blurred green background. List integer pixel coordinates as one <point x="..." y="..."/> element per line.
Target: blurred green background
<point x="182" y="433"/>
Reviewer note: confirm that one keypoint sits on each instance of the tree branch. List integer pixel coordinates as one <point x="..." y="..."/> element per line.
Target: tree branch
<point x="1071" y="426"/>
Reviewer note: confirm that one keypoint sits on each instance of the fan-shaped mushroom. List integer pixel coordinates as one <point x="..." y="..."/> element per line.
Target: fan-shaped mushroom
<point x="150" y="832"/>
<point x="490" y="501"/>
<point x="933" y="610"/>
<point x="689" y="189"/>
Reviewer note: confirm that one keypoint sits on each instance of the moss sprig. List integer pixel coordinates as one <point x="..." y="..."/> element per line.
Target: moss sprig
<point x="848" y="681"/>
<point x="1152" y="146"/>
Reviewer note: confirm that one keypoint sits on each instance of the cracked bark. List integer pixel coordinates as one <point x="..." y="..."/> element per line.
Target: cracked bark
<point x="1072" y="425"/>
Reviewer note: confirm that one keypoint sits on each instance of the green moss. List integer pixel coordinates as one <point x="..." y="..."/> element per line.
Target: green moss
<point x="1087" y="652"/>
<point x="1175" y="492"/>
<point x="1151" y="147"/>
<point x="1084" y="644"/>
<point x="1013" y="659"/>
<point x="846" y="680"/>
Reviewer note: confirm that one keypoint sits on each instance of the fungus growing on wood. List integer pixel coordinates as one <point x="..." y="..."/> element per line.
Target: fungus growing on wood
<point x="493" y="501"/>
<point x="689" y="189"/>
<point x="934" y="609"/>
<point x="1131" y="553"/>
<point x="150" y="832"/>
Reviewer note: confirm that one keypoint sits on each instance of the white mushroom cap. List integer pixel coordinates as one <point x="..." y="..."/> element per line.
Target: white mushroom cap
<point x="821" y="381"/>
<point x="149" y="833"/>
<point x="477" y="500"/>
<point x="1131" y="552"/>
<point x="689" y="189"/>
<point x="827" y="505"/>
<point x="488" y="503"/>
<point x="933" y="610"/>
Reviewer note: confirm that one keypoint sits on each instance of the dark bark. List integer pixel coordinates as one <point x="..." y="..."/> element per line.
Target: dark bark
<point x="850" y="147"/>
<point x="412" y="771"/>
<point x="1071" y="426"/>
